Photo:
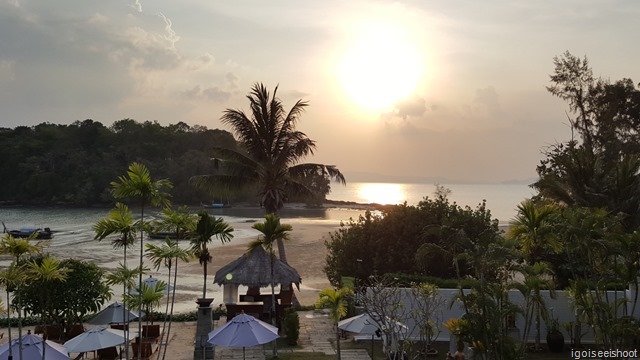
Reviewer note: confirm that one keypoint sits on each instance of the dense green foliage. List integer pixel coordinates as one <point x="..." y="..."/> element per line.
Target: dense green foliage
<point x="83" y="291"/>
<point x="73" y="164"/>
<point x="422" y="239"/>
<point x="600" y="168"/>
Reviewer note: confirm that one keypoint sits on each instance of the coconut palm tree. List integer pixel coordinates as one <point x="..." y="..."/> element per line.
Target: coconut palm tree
<point x="119" y="222"/>
<point x="270" y="155"/>
<point x="138" y="186"/>
<point x="336" y="300"/>
<point x="169" y="254"/>
<point x="207" y="227"/>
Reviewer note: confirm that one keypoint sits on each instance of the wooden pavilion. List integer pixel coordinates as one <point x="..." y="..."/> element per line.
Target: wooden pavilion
<point x="253" y="269"/>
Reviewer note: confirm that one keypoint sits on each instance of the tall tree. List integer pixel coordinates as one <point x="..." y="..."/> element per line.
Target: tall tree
<point x="208" y="226"/>
<point x="168" y="254"/>
<point x="18" y="248"/>
<point x="599" y="168"/>
<point x="119" y="222"/>
<point x="11" y="278"/>
<point x="48" y="269"/>
<point x="138" y="186"/>
<point x="270" y="155"/>
<point x="271" y="231"/>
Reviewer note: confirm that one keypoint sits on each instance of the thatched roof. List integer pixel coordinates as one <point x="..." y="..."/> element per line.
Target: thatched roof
<point x="254" y="269"/>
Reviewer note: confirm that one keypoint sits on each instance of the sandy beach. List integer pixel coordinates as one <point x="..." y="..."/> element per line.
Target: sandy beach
<point x="306" y="252"/>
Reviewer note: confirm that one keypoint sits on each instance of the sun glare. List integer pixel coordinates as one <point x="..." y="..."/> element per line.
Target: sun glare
<point x="380" y="66"/>
<point x="382" y="193"/>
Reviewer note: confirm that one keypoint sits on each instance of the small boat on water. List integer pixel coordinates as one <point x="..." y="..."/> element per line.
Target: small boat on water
<point x="214" y="205"/>
<point x="42" y="234"/>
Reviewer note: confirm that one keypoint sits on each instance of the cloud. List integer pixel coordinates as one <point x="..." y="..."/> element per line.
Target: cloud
<point x="411" y="108"/>
<point x="170" y="35"/>
<point x="232" y="79"/>
<point x="136" y="6"/>
<point x="487" y="99"/>
<point x="7" y="71"/>
<point x="212" y="93"/>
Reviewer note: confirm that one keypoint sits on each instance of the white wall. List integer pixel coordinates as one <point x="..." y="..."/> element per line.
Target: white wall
<point x="561" y="307"/>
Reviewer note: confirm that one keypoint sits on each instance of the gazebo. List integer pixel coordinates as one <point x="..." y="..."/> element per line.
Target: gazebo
<point x="253" y="269"/>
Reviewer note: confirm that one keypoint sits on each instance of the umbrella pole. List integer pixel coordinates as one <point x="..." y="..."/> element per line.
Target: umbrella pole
<point x="372" y="346"/>
<point x="243" y="355"/>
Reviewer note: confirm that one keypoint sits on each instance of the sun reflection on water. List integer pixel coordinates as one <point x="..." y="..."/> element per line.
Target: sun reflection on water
<point x="382" y="193"/>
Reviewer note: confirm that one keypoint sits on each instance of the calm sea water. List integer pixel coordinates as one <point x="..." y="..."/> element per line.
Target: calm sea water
<point x="74" y="237"/>
<point x="502" y="199"/>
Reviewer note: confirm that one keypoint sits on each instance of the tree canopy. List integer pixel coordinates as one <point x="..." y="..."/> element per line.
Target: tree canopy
<point x="73" y="164"/>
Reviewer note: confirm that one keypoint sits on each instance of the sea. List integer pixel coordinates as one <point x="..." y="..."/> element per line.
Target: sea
<point x="74" y="236"/>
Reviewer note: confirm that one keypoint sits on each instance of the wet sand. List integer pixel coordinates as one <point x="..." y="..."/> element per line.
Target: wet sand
<point x="306" y="252"/>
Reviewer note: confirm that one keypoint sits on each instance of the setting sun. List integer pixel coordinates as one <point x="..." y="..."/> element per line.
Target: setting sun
<point x="380" y="66"/>
<point x="382" y="193"/>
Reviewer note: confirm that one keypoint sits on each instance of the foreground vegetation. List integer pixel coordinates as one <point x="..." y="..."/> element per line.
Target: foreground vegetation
<point x="579" y="233"/>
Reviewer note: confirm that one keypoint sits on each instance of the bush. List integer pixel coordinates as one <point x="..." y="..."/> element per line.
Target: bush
<point x="292" y="326"/>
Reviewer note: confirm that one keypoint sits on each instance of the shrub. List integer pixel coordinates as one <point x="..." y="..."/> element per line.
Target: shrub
<point x="292" y="326"/>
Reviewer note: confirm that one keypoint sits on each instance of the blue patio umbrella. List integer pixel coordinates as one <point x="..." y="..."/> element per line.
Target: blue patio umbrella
<point x="242" y="331"/>
<point x="32" y="348"/>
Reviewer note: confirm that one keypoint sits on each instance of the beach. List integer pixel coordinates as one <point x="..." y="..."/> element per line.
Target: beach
<point x="306" y="252"/>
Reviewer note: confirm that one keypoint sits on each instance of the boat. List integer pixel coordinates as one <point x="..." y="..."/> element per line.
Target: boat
<point x="42" y="234"/>
<point x="215" y="205"/>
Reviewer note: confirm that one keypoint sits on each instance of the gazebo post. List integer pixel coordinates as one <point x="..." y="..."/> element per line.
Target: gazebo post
<point x="202" y="349"/>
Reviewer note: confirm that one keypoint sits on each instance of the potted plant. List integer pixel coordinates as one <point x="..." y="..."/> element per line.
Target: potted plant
<point x="555" y="339"/>
<point x="218" y="312"/>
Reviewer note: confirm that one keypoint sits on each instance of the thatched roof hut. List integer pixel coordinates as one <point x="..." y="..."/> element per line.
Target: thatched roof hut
<point x="254" y="269"/>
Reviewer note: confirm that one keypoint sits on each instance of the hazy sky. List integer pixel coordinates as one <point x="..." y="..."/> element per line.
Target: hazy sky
<point x="451" y="89"/>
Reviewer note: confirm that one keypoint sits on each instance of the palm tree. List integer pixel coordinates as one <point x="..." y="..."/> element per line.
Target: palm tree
<point x="48" y="269"/>
<point x="336" y="300"/>
<point x="536" y="278"/>
<point x="533" y="229"/>
<point x="151" y="296"/>
<point x="120" y="222"/>
<point x="272" y="231"/>
<point x="271" y="154"/>
<point x="10" y="279"/>
<point x="207" y="227"/>
<point x="17" y="248"/>
<point x="138" y="185"/>
<point x="168" y="254"/>
<point x="179" y="221"/>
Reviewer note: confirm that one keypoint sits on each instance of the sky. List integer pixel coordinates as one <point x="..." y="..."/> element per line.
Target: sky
<point x="412" y="89"/>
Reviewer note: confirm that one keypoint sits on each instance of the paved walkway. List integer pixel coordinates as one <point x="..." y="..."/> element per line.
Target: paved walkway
<point x="315" y="331"/>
